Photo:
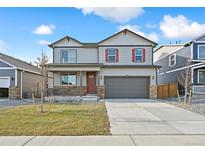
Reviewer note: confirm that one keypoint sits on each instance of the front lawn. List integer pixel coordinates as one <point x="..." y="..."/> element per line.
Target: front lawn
<point x="64" y="119"/>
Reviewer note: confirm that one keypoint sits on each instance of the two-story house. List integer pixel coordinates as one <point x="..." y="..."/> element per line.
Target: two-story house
<point x="174" y="59"/>
<point x="120" y="66"/>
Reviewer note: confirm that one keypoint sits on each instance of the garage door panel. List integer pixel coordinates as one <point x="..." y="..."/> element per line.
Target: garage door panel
<point x="126" y="87"/>
<point x="4" y="82"/>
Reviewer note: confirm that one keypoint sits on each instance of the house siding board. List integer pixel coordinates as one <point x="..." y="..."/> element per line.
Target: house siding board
<point x="168" y="78"/>
<point x="195" y="76"/>
<point x="195" y="50"/>
<point x="128" y="72"/>
<point x="182" y="56"/>
<point x="66" y="42"/>
<point x="10" y="73"/>
<point x="31" y="83"/>
<point x="2" y="64"/>
<point x="126" y="39"/>
<point x="84" y="55"/>
<point x="125" y="56"/>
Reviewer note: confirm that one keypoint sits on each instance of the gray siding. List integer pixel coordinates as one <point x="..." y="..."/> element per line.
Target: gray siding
<point x="195" y="76"/>
<point x="31" y="83"/>
<point x="2" y="64"/>
<point x="84" y="55"/>
<point x="125" y="55"/>
<point x="168" y="78"/>
<point x="195" y="49"/>
<point x="181" y="58"/>
<point x="9" y="72"/>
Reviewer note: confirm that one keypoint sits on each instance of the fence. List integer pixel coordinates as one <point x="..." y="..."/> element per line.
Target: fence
<point x="167" y="90"/>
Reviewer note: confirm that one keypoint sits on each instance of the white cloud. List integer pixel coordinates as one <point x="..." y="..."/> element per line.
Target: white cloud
<point x="152" y="36"/>
<point x="43" y="42"/>
<point x="44" y="29"/>
<point x="180" y="27"/>
<point x="116" y="14"/>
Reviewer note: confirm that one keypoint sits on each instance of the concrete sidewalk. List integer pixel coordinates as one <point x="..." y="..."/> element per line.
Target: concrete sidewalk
<point x="133" y="140"/>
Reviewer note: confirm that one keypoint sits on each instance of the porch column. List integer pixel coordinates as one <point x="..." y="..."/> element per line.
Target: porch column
<point x="81" y="83"/>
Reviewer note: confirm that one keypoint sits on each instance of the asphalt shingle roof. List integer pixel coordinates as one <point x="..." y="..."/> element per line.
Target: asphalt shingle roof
<point x="22" y="65"/>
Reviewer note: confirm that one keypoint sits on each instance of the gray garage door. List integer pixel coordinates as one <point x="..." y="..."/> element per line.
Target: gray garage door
<point x="126" y="87"/>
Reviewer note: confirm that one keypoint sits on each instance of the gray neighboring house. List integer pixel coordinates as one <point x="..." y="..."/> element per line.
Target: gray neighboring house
<point x="173" y="59"/>
<point x="120" y="66"/>
<point x="18" y="78"/>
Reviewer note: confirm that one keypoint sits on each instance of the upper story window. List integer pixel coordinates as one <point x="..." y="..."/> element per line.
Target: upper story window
<point x="201" y="52"/>
<point x="172" y="60"/>
<point x="68" y="79"/>
<point x="138" y="55"/>
<point x="201" y="76"/>
<point x="112" y="55"/>
<point x="68" y="56"/>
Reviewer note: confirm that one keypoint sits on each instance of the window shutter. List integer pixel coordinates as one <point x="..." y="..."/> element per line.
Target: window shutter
<point x="133" y="55"/>
<point x="143" y="55"/>
<point x="117" y="55"/>
<point x="106" y="55"/>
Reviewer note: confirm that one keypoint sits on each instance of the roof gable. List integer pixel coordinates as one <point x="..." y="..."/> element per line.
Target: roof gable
<point x="66" y="41"/>
<point x="126" y="37"/>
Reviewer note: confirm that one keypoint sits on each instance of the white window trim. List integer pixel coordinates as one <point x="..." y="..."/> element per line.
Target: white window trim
<point x="198" y="51"/>
<point x="139" y="55"/>
<point x="175" y="59"/>
<point x="203" y="70"/>
<point x="67" y="50"/>
<point x="68" y="83"/>
<point x="112" y="55"/>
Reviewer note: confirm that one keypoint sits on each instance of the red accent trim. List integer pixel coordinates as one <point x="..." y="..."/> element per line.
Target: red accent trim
<point x="106" y="55"/>
<point x="143" y="55"/>
<point x="133" y="55"/>
<point x="117" y="55"/>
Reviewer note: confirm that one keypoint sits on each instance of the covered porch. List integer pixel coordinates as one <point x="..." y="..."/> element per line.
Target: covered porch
<point x="76" y="80"/>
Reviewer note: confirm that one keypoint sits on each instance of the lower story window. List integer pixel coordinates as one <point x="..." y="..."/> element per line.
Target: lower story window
<point x="68" y="79"/>
<point x="202" y="76"/>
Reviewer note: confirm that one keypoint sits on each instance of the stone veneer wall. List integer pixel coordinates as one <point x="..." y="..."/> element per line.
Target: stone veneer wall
<point x="69" y="90"/>
<point x="153" y="91"/>
<point x="101" y="91"/>
<point x="14" y="93"/>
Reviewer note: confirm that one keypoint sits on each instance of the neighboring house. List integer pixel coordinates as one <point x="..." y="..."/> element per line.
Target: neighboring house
<point x="120" y="66"/>
<point x="173" y="59"/>
<point x="18" y="79"/>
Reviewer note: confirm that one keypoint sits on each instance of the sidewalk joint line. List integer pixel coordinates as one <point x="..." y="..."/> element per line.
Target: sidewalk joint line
<point x="28" y="140"/>
<point x="132" y="140"/>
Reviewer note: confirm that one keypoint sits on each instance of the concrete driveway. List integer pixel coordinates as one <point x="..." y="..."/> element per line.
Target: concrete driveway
<point x="146" y="116"/>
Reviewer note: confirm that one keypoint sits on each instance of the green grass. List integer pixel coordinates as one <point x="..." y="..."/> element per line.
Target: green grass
<point x="63" y="119"/>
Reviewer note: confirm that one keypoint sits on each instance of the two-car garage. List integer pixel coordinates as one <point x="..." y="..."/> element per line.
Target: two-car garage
<point x="4" y="86"/>
<point x="126" y="87"/>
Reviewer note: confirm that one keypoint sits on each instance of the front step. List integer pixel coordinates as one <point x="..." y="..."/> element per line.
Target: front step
<point x="91" y="98"/>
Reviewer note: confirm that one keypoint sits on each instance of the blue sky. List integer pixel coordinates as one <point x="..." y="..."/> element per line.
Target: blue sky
<point x="25" y="32"/>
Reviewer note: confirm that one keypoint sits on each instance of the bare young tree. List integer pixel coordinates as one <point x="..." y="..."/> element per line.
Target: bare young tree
<point x="42" y="65"/>
<point x="185" y="80"/>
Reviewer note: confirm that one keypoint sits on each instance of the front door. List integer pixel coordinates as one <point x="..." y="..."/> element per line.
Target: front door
<point x="91" y="82"/>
